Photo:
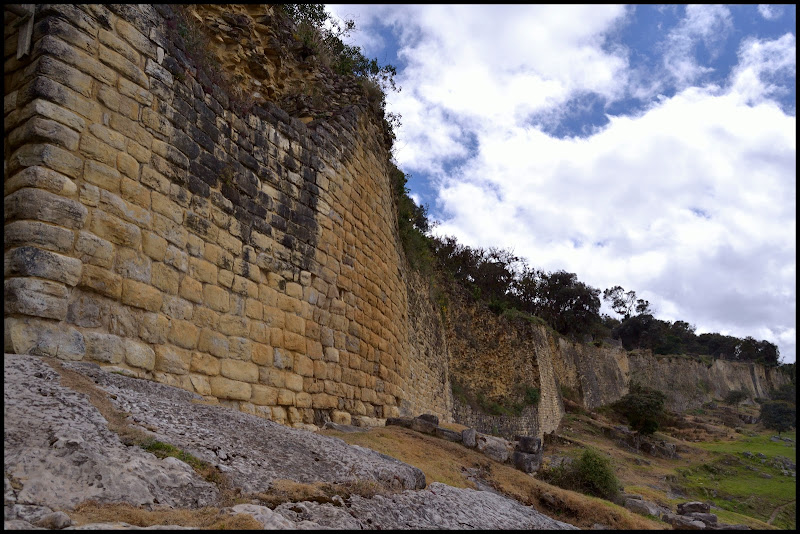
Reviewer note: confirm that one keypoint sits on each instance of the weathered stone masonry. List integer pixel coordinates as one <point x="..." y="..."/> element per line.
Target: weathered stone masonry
<point x="250" y="259"/>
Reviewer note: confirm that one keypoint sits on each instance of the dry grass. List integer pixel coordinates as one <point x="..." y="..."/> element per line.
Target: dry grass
<point x="420" y="450"/>
<point x="204" y="518"/>
<point x="447" y="462"/>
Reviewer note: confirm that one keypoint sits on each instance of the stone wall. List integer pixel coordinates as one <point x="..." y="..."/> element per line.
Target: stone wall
<point x="253" y="259"/>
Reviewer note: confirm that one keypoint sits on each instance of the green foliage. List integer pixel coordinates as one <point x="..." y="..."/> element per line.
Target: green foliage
<point x="786" y="392"/>
<point x="735" y="396"/>
<point x="778" y="415"/>
<point x="625" y="303"/>
<point x="413" y="224"/>
<point x="591" y="474"/>
<point x="322" y="36"/>
<point x="532" y="396"/>
<point x="643" y="407"/>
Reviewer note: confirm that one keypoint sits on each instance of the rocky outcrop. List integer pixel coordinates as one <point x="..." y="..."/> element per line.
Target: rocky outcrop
<point x="59" y="452"/>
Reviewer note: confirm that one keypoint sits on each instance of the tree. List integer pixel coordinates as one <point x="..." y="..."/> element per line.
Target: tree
<point x="778" y="415"/>
<point x="734" y="397"/>
<point x="643" y="407"/>
<point x="625" y="303"/>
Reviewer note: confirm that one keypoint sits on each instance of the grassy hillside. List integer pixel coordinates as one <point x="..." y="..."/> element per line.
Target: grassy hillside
<point x="717" y="464"/>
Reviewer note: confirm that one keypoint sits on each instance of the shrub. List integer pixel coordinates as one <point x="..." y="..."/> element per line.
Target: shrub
<point x="643" y="408"/>
<point x="778" y="415"/>
<point x="734" y="397"/>
<point x="592" y="474"/>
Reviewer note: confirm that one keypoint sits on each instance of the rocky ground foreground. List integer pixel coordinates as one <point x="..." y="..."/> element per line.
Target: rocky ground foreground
<point x="60" y="451"/>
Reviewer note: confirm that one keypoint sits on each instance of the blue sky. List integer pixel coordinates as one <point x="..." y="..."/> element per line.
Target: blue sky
<point x="651" y="147"/>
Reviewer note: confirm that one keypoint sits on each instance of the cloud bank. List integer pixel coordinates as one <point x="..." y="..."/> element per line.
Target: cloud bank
<point x="686" y="194"/>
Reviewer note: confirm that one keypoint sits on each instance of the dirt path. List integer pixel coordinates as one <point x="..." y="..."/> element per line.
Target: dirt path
<point x="777" y="510"/>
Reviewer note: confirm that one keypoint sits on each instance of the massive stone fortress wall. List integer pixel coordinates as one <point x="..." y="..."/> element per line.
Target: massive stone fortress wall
<point x="251" y="259"/>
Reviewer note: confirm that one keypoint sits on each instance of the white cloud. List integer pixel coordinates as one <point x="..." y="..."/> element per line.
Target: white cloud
<point x="770" y="12"/>
<point x="709" y="24"/>
<point x="689" y="202"/>
<point x="762" y="63"/>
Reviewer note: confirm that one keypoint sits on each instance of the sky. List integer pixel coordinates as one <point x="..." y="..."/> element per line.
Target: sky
<point x="651" y="147"/>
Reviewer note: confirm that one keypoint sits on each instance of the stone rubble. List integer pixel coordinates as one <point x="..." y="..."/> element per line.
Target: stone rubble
<point x="59" y="452"/>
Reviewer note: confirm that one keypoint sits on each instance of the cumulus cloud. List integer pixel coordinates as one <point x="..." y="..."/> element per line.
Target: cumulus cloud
<point x="770" y="12"/>
<point x="688" y="200"/>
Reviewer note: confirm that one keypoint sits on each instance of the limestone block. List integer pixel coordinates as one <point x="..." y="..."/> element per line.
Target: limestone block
<point x="225" y="388"/>
<point x="111" y="203"/>
<point x="89" y="195"/>
<point x="264" y="395"/>
<point x="115" y="230"/>
<point x="94" y="250"/>
<point x="201" y="384"/>
<point x="41" y="178"/>
<point x="25" y="335"/>
<point x="216" y="298"/>
<point x="139" y="355"/>
<point x="54" y="111"/>
<point x="30" y="296"/>
<point x="469" y="437"/>
<point x="41" y="205"/>
<point x="106" y="348"/>
<point x="294" y="382"/>
<point x="331" y="354"/>
<point x="323" y="401"/>
<point x="303" y="365"/>
<point x="449" y="435"/>
<point x="167" y="280"/>
<point x="33" y="261"/>
<point x="294" y="342"/>
<point x="205" y="364"/>
<point x="128" y="166"/>
<point x="102" y="281"/>
<point x="183" y="333"/>
<point x="225" y="278"/>
<point x="340" y="417"/>
<point x="44" y="155"/>
<point x="138" y="40"/>
<point x="124" y="66"/>
<point x="240" y="348"/>
<point x="279" y="414"/>
<point x="170" y="230"/>
<point x="424" y="426"/>
<point x="39" y="129"/>
<point x="133" y="264"/>
<point x="153" y="328"/>
<point x="285" y="397"/>
<point x="213" y="342"/>
<point x="39" y="234"/>
<point x="191" y="289"/>
<point x="95" y="149"/>
<point x="172" y="359"/>
<point x="526" y="462"/>
<point x="87" y="311"/>
<point x="239" y="370"/>
<point x="141" y="295"/>
<point x="234" y="325"/>
<point x="176" y="258"/>
<point x="154" y="179"/>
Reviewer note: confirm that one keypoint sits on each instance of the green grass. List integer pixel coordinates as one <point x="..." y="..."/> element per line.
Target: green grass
<point x="742" y="485"/>
<point x="760" y="443"/>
